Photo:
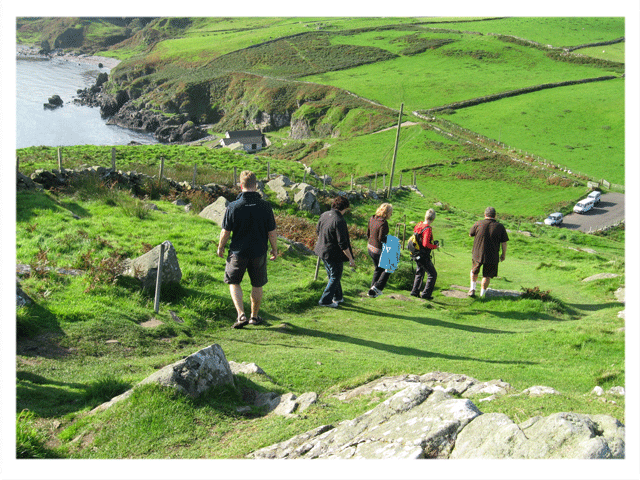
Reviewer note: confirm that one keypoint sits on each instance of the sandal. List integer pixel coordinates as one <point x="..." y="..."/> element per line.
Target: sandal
<point x="241" y="322"/>
<point x="256" y="320"/>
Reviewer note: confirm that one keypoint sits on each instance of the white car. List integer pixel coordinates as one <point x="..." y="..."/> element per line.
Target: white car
<point x="583" y="206"/>
<point x="553" y="219"/>
<point x="595" y="196"/>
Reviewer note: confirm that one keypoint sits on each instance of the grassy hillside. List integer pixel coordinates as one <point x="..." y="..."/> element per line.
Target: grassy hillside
<point x="228" y="71"/>
<point x="84" y="338"/>
<point x="91" y="343"/>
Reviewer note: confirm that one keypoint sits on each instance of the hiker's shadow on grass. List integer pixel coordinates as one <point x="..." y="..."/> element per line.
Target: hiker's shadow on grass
<point x="394" y="349"/>
<point x="516" y="315"/>
<point x="426" y="321"/>
<point x="33" y="392"/>
<point x="595" y="307"/>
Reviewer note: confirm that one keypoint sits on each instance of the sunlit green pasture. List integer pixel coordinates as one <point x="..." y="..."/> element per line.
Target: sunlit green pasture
<point x="471" y="67"/>
<point x="555" y="31"/>
<point x="523" y="193"/>
<point x="579" y="126"/>
<point x="614" y="53"/>
<point x="208" y="38"/>
<point x="366" y="155"/>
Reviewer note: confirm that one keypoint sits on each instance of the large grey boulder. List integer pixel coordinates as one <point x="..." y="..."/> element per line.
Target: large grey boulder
<point x="192" y="375"/>
<point x="279" y="181"/>
<point x="145" y="267"/>
<point x="196" y="373"/>
<point x="416" y="422"/>
<point x="560" y="436"/>
<point x="215" y="211"/>
<point x="307" y="201"/>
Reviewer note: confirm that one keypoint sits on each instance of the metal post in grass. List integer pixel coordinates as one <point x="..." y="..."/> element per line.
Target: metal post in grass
<point x="268" y="171"/>
<point x="352" y="182"/>
<point x="113" y="159"/>
<point x="384" y="181"/>
<point x="195" y="173"/>
<point x="156" y="303"/>
<point x="395" y="150"/>
<point x="376" y="181"/>
<point x="161" y="172"/>
<point x="59" y="159"/>
<point x="315" y="277"/>
<point x="235" y="176"/>
<point x="400" y="182"/>
<point x="414" y="179"/>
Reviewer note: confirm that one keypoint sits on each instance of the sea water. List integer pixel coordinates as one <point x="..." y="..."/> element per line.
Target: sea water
<point x="37" y="81"/>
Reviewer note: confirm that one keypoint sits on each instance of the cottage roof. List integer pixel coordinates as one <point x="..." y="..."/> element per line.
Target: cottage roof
<point x="244" y="134"/>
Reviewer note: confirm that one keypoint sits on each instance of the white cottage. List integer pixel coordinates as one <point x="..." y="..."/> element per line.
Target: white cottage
<point x="251" y="140"/>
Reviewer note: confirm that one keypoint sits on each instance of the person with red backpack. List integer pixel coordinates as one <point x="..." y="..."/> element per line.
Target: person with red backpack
<point x="424" y="265"/>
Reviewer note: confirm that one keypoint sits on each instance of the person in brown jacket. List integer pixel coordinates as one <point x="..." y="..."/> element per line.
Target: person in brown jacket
<point x="377" y="232"/>
<point x="489" y="235"/>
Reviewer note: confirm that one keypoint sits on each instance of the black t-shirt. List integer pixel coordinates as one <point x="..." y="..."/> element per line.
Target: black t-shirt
<point x="250" y="219"/>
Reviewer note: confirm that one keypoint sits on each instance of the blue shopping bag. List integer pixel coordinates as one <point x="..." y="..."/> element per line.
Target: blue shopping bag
<point x="390" y="256"/>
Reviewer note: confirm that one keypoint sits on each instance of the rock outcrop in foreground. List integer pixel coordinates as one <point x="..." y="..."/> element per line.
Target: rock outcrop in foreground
<point x="422" y="422"/>
<point x="428" y="416"/>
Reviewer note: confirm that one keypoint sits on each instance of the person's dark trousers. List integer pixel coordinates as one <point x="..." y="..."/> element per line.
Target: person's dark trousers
<point x="380" y="277"/>
<point x="424" y="266"/>
<point x="334" y="286"/>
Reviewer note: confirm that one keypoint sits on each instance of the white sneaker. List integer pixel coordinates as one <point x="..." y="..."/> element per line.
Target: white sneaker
<point x="335" y="300"/>
<point x="374" y="292"/>
<point x="332" y="305"/>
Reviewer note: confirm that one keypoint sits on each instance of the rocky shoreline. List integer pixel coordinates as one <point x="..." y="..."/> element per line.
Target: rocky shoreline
<point x="118" y="109"/>
<point x="26" y="52"/>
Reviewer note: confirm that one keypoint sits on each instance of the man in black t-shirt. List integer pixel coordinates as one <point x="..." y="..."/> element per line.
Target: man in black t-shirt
<point x="250" y="219"/>
<point x="489" y="235"/>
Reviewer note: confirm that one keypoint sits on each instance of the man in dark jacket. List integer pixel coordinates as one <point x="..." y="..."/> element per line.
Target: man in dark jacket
<point x="334" y="248"/>
<point x="251" y="220"/>
<point x="489" y="235"/>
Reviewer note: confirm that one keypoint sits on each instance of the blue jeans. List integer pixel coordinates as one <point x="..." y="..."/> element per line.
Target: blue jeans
<point x="334" y="286"/>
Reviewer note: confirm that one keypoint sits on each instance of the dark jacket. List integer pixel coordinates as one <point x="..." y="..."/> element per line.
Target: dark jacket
<point x="377" y="231"/>
<point x="250" y="219"/>
<point x="333" y="236"/>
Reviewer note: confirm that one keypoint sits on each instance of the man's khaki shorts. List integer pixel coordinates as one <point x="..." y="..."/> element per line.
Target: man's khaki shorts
<point x="255" y="267"/>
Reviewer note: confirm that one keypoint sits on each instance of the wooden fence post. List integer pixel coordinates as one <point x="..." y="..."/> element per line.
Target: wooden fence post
<point x="161" y="172"/>
<point x="315" y="277"/>
<point x="156" y="303"/>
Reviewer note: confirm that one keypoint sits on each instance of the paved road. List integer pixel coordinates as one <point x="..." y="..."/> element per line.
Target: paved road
<point x="609" y="211"/>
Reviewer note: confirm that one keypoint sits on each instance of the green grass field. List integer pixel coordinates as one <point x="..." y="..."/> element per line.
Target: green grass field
<point x="579" y="126"/>
<point x="82" y="341"/>
<point x="569" y="344"/>
<point x="468" y="68"/>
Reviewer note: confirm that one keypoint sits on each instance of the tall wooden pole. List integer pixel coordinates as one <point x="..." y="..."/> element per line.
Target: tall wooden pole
<point x="395" y="151"/>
